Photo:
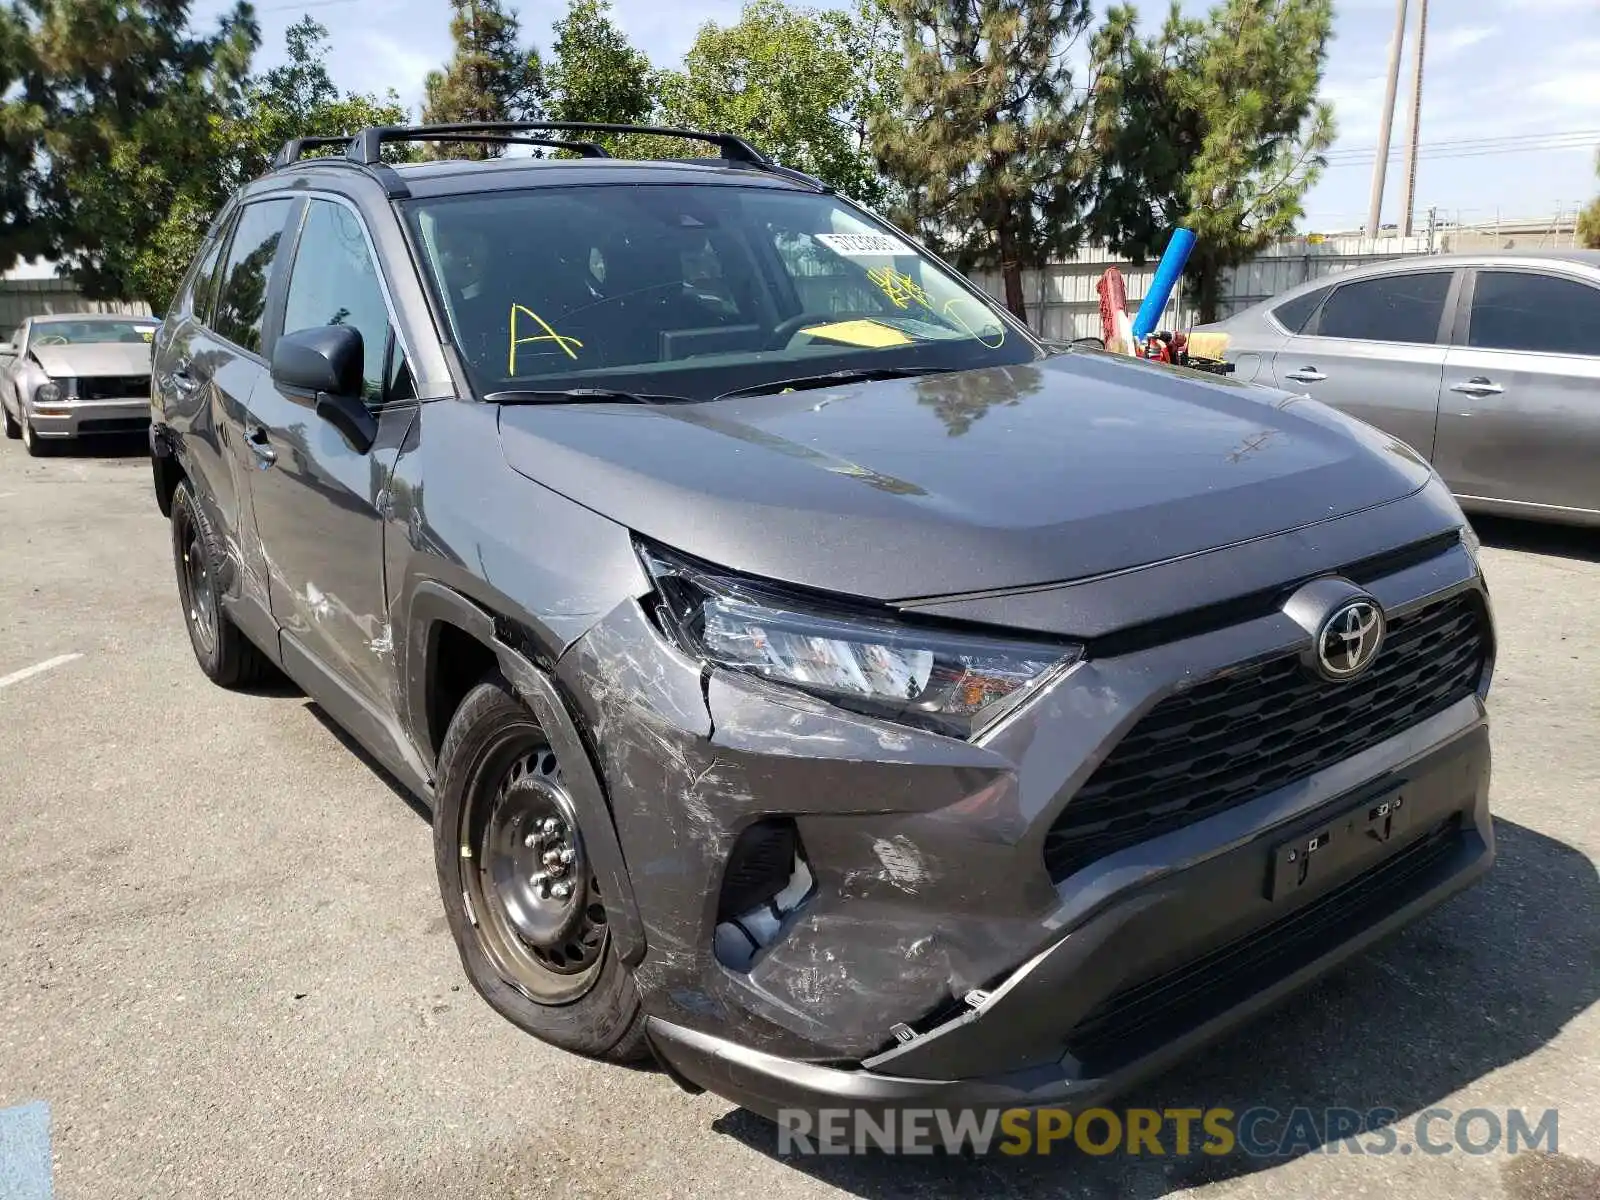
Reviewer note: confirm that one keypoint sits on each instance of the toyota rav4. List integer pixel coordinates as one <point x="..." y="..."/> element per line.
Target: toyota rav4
<point x="816" y="681"/>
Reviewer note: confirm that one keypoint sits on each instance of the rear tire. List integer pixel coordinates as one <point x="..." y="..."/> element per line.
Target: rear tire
<point x="228" y="658"/>
<point x="503" y="829"/>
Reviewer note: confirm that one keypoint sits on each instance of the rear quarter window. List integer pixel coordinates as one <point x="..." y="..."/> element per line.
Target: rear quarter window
<point x="1293" y="314"/>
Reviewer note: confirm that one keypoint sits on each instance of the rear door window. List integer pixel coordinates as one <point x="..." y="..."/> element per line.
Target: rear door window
<point x="1390" y="308"/>
<point x="242" y="297"/>
<point x="1520" y="310"/>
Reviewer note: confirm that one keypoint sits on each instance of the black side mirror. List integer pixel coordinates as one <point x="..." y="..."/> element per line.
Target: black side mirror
<point x="324" y="364"/>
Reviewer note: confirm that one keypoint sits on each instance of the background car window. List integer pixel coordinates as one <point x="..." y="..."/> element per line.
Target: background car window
<point x="1517" y="310"/>
<point x="1293" y="314"/>
<point x="334" y="282"/>
<point x="1392" y="308"/>
<point x="242" y="300"/>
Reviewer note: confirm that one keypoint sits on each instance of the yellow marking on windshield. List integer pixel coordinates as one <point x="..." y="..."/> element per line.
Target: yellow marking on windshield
<point x="861" y="333"/>
<point x="900" y="288"/>
<point x="549" y="335"/>
<point x="961" y="321"/>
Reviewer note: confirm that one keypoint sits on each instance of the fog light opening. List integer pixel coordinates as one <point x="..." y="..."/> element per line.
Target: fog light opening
<point x="766" y="882"/>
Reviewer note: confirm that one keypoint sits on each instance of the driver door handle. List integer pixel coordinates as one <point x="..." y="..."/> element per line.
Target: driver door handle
<point x="256" y="438"/>
<point x="1306" y="375"/>
<point x="1478" y="385"/>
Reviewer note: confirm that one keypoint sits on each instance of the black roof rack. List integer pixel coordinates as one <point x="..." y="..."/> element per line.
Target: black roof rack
<point x="294" y="149"/>
<point x="366" y="146"/>
<point x="364" y="150"/>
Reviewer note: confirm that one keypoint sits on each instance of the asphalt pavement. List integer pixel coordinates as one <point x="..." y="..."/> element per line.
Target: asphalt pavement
<point x="224" y="968"/>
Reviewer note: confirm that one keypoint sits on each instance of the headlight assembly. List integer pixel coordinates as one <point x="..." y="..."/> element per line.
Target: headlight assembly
<point x="954" y="683"/>
<point x="48" y="392"/>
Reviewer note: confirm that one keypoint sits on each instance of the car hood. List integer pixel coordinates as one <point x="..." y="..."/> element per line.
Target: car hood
<point x="1078" y="465"/>
<point x="94" y="358"/>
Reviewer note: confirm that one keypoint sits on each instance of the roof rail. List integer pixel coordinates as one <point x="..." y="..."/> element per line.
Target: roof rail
<point x="366" y="147"/>
<point x="294" y="149"/>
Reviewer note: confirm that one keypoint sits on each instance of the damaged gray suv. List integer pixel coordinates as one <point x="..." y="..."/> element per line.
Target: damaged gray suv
<point x="815" y="681"/>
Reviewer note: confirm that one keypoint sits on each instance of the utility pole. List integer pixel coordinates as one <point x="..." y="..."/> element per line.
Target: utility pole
<point x="1375" y="212"/>
<point x="1414" y="124"/>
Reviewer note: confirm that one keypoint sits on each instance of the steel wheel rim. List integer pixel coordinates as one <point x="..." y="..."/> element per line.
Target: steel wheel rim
<point x="200" y="604"/>
<point x="535" y="900"/>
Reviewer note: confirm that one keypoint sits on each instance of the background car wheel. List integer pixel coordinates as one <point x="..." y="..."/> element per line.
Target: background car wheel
<point x="519" y="888"/>
<point x="226" y="656"/>
<point x="36" y="446"/>
<point x="13" y="430"/>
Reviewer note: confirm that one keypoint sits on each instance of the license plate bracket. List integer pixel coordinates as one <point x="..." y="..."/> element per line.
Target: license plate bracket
<point x="1355" y="834"/>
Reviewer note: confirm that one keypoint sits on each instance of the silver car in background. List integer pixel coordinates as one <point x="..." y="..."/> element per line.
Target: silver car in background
<point x="1486" y="364"/>
<point x="64" y="376"/>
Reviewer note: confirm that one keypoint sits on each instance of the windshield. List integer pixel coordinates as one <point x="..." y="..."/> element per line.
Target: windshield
<point x="692" y="290"/>
<point x="83" y="333"/>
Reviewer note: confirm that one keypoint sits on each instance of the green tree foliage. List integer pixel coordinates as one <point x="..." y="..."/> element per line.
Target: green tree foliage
<point x="106" y="125"/>
<point x="989" y="142"/>
<point x="597" y="75"/>
<point x="1213" y="124"/>
<point x="297" y="99"/>
<point x="1589" y="219"/>
<point x="490" y="78"/>
<point x="801" y="84"/>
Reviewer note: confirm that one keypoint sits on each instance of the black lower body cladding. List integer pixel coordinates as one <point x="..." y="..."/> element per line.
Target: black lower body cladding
<point x="839" y="910"/>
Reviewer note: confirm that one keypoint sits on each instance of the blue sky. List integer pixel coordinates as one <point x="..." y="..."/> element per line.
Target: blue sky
<point x="1515" y="71"/>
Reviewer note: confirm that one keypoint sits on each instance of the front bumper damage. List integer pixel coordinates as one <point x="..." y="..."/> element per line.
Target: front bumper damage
<point x="934" y="961"/>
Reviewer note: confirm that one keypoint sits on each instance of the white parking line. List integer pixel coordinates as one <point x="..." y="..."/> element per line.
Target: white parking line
<point x="48" y="664"/>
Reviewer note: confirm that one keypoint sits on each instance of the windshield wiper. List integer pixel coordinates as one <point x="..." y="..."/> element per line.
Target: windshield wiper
<point x="833" y="379"/>
<point x="584" y="396"/>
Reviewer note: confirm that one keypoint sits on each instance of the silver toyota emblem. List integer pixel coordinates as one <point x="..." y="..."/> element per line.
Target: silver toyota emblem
<point x="1349" y="639"/>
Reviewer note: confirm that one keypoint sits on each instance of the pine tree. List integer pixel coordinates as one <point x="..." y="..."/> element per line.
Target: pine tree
<point x="989" y="145"/>
<point x="1213" y="124"/>
<point x="490" y="78"/>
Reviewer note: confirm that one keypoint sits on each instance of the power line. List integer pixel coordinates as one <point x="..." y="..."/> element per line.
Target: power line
<point x="1489" y="152"/>
<point x="1368" y="152"/>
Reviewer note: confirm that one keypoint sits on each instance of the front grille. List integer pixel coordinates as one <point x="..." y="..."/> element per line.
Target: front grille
<point x="114" y="387"/>
<point x="1148" y="1014"/>
<point x="1239" y="736"/>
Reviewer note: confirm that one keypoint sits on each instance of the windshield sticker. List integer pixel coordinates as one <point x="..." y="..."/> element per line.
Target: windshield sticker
<point x="549" y="335"/>
<point x="863" y="245"/>
<point x="861" y="333"/>
<point x="900" y="289"/>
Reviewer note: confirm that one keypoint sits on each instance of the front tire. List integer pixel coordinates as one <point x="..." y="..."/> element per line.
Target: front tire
<point x="12" y="429"/>
<point x="519" y="890"/>
<point x="36" y="446"/>
<point x="228" y="658"/>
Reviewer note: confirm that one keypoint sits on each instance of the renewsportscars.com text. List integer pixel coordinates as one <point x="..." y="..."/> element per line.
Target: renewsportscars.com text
<point x="1258" y="1132"/>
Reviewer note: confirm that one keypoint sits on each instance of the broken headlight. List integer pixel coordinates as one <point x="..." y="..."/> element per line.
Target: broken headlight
<point x="953" y="683"/>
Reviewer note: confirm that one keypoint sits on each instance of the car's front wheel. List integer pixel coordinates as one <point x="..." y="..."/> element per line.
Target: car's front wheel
<point x="224" y="653"/>
<point x="12" y="429"/>
<point x="36" y="446"/>
<point x="519" y="888"/>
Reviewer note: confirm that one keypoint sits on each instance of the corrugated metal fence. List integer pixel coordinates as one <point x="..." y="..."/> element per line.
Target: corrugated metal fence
<point x="23" y="298"/>
<point x="1062" y="301"/>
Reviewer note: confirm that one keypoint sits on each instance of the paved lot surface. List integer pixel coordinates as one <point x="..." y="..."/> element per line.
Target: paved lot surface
<point x="223" y="964"/>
